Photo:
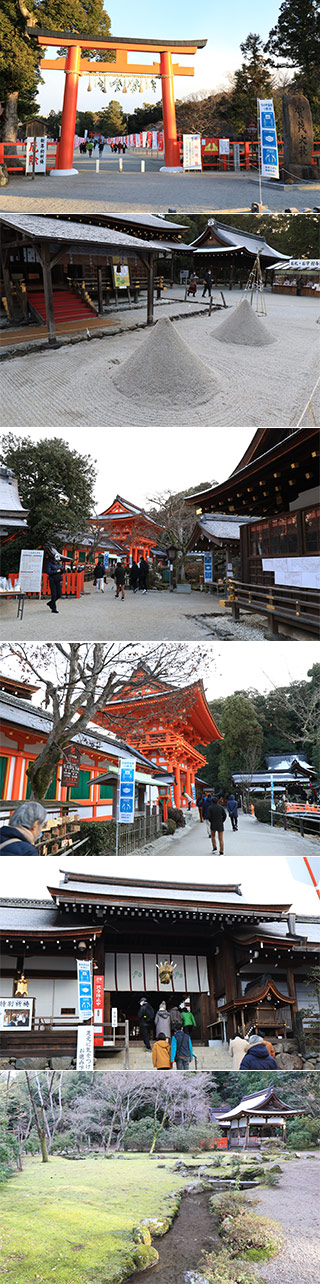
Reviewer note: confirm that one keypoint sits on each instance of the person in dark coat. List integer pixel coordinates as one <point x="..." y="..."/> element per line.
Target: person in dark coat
<point x="145" y="1019"/>
<point x="143" y="574"/>
<point x="98" y="575"/>
<point x="181" y="1049"/>
<point x="54" y="573"/>
<point x="207" y="284"/>
<point x="134" y="577"/>
<point x="199" y="804"/>
<point x="21" y="833"/>
<point x="216" y="816"/>
<point x="119" y="576"/>
<point x="258" y="1057"/>
<point x="232" y="809"/>
<point x="175" y="1017"/>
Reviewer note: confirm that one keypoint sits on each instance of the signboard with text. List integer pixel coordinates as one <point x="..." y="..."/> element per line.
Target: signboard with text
<point x="70" y="765"/>
<point x="40" y="162"/>
<point x="207" y="568"/>
<point x="84" y="989"/>
<point x="224" y="147"/>
<point x="16" y="1014"/>
<point x="192" y="151"/>
<point x="127" y="790"/>
<point x="85" y="1047"/>
<point x="30" y="570"/>
<point x="98" y="1009"/>
<point x="268" y="139"/>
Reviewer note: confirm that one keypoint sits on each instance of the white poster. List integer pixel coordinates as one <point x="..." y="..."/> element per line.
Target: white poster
<point x="224" y="146"/>
<point x="192" y="151"/>
<point x="268" y="138"/>
<point x="16" y="1014"/>
<point x="296" y="572"/>
<point x="30" y="570"/>
<point x="40" y="157"/>
<point x="154" y="140"/>
<point x="85" y="1036"/>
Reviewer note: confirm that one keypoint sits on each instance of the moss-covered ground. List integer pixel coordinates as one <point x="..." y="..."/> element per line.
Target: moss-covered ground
<point x="73" y="1221"/>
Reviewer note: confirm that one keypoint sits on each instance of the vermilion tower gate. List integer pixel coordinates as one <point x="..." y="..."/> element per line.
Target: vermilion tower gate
<point x="75" y="65"/>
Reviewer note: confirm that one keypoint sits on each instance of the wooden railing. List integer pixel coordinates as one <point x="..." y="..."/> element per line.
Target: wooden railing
<point x="57" y="1037"/>
<point x="299" y="607"/>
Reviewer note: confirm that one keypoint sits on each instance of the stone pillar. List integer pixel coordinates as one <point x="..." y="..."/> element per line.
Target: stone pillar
<point x="298" y="137"/>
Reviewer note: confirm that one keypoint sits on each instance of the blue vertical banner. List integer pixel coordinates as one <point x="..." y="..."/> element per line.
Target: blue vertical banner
<point x="268" y="139"/>
<point x="126" y="792"/>
<point x="106" y="561"/>
<point x="84" y="989"/>
<point x="207" y="569"/>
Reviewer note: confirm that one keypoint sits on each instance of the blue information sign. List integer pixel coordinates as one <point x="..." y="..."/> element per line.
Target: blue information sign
<point x="106" y="560"/>
<point x="84" y="988"/>
<point x="268" y="139"/>
<point x="208" y="568"/>
<point x="127" y="790"/>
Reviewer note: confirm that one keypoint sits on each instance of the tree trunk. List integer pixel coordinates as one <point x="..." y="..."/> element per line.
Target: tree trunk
<point x="41" y="772"/>
<point x="10" y="129"/>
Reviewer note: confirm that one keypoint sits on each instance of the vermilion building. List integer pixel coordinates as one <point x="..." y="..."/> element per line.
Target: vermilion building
<point x="166" y="724"/>
<point x="129" y="526"/>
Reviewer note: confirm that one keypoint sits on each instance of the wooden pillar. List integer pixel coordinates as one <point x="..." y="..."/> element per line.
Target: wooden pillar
<point x="246" y="1138"/>
<point x="293" y="995"/>
<point x="47" y="286"/>
<point x="107" y="1007"/>
<point x="7" y="287"/>
<point x="100" y="290"/>
<point x="150" y="290"/>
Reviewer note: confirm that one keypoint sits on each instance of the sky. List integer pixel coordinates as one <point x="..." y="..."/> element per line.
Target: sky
<point x="152" y="460"/>
<point x="232" y="666"/>
<point x="291" y="885"/>
<point x="224" y="27"/>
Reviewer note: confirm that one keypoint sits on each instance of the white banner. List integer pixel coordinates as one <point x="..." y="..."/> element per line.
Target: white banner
<point x="40" y="157"/>
<point x="268" y="138"/>
<point x="85" y="1046"/>
<point x="192" y="151"/>
<point x="30" y="570"/>
<point x="154" y="140"/>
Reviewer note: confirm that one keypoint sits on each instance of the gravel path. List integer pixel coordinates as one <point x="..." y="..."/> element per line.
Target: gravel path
<point x="251" y="386"/>
<point x="295" y="1203"/>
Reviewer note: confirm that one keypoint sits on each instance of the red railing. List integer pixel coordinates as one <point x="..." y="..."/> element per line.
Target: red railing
<point x="15" y="159"/>
<point x="72" y="584"/>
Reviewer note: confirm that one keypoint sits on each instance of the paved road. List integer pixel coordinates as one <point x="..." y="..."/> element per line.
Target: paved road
<point x="294" y="1205"/>
<point x="153" y="191"/>
<point x="101" y="616"/>
<point x="252" y="839"/>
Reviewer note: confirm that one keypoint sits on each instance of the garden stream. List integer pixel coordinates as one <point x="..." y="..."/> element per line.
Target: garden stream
<point x="180" y="1249"/>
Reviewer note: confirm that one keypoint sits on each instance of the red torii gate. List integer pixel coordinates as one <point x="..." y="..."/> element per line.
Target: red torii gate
<point x="74" y="66"/>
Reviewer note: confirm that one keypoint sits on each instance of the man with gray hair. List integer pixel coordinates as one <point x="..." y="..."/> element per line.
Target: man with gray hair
<point x="20" y="835"/>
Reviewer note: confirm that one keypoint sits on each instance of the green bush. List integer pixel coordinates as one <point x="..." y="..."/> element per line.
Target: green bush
<point x="139" y="1135"/>
<point x="171" y="827"/>
<point x="8" y="1155"/>
<point x="250" y="1235"/>
<point x="303" y="1133"/>
<point x="262" y="810"/>
<point x="100" y="835"/>
<point x="220" y="1268"/>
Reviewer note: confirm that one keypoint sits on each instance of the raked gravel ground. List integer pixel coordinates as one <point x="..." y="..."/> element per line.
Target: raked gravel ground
<point x="255" y="386"/>
<point x="295" y="1205"/>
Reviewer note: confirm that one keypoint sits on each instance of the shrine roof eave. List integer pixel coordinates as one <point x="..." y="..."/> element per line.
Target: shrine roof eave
<point x="242" y="1112"/>
<point x="204" y="725"/>
<point x="290" y="446"/>
<point x="246" y="1000"/>
<point x="47" y="36"/>
<point x="82" y="238"/>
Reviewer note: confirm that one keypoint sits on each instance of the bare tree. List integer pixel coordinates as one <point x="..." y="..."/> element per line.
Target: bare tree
<point x="177" y="520"/>
<point x="77" y="681"/>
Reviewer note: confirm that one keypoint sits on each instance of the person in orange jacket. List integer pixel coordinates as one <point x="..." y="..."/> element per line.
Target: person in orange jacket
<point x="161" y="1058"/>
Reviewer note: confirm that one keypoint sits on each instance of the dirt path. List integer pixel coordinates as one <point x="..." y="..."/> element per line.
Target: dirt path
<point x="295" y="1204"/>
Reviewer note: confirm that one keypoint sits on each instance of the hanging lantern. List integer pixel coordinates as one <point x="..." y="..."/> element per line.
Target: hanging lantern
<point x="89" y="84"/>
<point x="141" y="86"/>
<point x="125" y="91"/>
<point x="104" y="86"/>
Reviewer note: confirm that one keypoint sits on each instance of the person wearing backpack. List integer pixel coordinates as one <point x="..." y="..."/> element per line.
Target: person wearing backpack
<point x="181" y="1049"/>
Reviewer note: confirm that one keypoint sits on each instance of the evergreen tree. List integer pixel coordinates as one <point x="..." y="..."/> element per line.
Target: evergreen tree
<point x="55" y="486"/>
<point x="294" y="42"/>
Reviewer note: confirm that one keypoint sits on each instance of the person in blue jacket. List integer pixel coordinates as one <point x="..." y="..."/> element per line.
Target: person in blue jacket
<point x="232" y="809"/>
<point x="19" y="836"/>
<point x="258" y="1057"/>
<point x="181" y="1049"/>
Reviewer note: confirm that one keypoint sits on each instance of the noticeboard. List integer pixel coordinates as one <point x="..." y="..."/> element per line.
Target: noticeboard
<point x="192" y="151"/>
<point x="121" y="275"/>
<point x="30" y="570"/>
<point x="16" y="1014"/>
<point x="70" y="765"/>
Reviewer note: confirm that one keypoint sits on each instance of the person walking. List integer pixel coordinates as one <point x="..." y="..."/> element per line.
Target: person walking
<point x="258" y="1057"/>
<point x="98" y="576"/>
<point x="119" y="576"/>
<point x="199" y="804"/>
<point x="237" y="1049"/>
<point x="161" y="1053"/>
<point x="207" y="283"/>
<point x="134" y="577"/>
<point x="145" y="1021"/>
<point x="175" y="1016"/>
<point x="101" y="146"/>
<point x="143" y="575"/>
<point x="232" y="809"/>
<point x="22" y="831"/>
<point x="181" y="1049"/>
<point x="187" y="1018"/>
<point x="90" y="146"/>
<point x="163" y="1021"/>
<point x="216" y="818"/>
<point x="54" y="573"/>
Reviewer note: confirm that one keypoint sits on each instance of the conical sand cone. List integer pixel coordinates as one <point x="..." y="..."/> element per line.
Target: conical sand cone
<point x="245" y="327"/>
<point x="165" y="367"/>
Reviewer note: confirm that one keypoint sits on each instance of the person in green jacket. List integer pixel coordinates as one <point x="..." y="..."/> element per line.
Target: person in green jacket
<point x="187" y="1017"/>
